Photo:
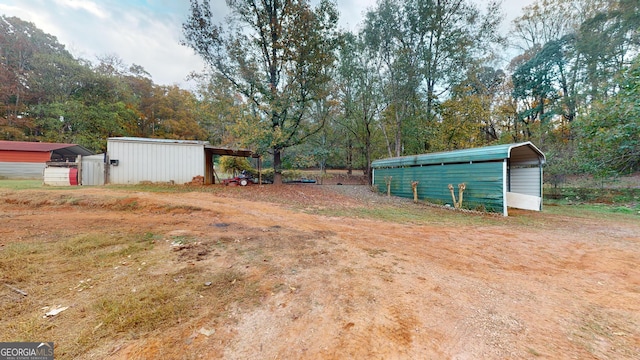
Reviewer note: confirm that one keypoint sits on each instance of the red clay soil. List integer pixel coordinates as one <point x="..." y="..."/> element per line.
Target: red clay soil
<point x="336" y="286"/>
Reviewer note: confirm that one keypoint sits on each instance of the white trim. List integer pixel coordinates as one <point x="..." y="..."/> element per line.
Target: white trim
<point x="504" y="188"/>
<point x="530" y="144"/>
<point x="541" y="187"/>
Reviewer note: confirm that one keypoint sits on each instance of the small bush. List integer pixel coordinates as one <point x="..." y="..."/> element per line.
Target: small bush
<point x="235" y="164"/>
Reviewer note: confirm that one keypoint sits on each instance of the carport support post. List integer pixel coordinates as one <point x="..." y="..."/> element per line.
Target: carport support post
<point x="461" y="188"/>
<point x="414" y="186"/>
<point x="79" y="162"/>
<point x="453" y="196"/>
<point x="387" y="180"/>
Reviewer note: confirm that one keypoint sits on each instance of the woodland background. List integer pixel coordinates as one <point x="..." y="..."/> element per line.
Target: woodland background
<point x="419" y="76"/>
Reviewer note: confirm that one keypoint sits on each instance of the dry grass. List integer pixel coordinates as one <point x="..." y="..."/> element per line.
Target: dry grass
<point x="115" y="285"/>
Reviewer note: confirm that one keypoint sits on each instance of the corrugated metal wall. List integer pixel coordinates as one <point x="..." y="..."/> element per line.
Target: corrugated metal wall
<point x="17" y="170"/>
<point x="93" y="170"/>
<point x="525" y="175"/>
<point x="484" y="183"/>
<point x="140" y="161"/>
<point x="525" y="180"/>
<point x="25" y="156"/>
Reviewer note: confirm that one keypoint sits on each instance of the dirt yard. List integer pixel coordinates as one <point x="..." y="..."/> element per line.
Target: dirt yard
<point x="312" y="272"/>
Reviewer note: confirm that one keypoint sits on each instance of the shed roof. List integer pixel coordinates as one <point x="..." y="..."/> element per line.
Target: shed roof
<point x="230" y="152"/>
<point x="488" y="153"/>
<point x="43" y="147"/>
<point x="214" y="150"/>
<point x="161" y="141"/>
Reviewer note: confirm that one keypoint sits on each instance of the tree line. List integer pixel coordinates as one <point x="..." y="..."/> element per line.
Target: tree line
<point x="48" y="95"/>
<point x="417" y="76"/>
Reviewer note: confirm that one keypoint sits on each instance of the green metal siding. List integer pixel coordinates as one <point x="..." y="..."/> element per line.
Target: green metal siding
<point x="488" y="153"/>
<point x="483" y="183"/>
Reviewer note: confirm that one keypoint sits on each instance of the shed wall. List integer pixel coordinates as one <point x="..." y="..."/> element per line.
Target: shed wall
<point x="525" y="180"/>
<point x="93" y="170"/>
<point x="154" y="162"/>
<point x="19" y="170"/>
<point x="484" y="183"/>
<point x="25" y="156"/>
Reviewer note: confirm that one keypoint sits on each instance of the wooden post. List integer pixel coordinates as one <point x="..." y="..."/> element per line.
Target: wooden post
<point x="414" y="186"/>
<point x="79" y="167"/>
<point x="461" y="188"/>
<point x="387" y="180"/>
<point x="453" y="196"/>
<point x="107" y="169"/>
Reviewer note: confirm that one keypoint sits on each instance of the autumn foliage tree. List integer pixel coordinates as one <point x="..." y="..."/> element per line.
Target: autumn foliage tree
<point x="612" y="133"/>
<point x="274" y="53"/>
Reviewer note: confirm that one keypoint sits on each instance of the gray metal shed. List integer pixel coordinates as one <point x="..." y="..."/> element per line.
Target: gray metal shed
<point x="496" y="177"/>
<point x="133" y="160"/>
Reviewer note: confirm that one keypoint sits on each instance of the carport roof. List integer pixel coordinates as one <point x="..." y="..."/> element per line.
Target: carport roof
<point x="65" y="149"/>
<point x="230" y="152"/>
<point x="487" y="153"/>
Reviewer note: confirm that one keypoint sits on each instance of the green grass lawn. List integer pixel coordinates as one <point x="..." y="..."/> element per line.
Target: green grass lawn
<point x="20" y="184"/>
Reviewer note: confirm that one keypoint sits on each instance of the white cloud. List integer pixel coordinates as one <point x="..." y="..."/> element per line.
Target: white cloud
<point x="352" y="12"/>
<point x="88" y="6"/>
<point x="134" y="33"/>
<point x="146" y="32"/>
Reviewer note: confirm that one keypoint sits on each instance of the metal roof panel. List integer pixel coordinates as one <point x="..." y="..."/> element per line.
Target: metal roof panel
<point x="487" y="153"/>
<point x="164" y="141"/>
<point x="32" y="146"/>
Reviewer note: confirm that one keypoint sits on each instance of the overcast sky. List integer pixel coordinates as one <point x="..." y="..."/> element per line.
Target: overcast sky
<point x="148" y="32"/>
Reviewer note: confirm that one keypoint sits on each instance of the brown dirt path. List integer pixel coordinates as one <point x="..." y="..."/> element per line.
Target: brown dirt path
<point x="336" y="287"/>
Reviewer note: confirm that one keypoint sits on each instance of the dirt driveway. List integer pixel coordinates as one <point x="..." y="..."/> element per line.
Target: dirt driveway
<point x="331" y="272"/>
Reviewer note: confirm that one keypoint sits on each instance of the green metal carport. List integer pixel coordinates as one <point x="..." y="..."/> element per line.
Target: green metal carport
<point x="496" y="177"/>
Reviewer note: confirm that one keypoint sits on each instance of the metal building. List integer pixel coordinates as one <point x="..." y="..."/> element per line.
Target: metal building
<point x="27" y="160"/>
<point x="495" y="177"/>
<point x="134" y="160"/>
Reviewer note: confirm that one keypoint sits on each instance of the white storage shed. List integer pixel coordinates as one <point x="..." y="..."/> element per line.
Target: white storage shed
<point x="132" y="160"/>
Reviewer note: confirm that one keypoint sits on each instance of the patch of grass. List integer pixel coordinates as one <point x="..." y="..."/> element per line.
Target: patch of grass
<point x="592" y="210"/>
<point x="102" y="278"/>
<point x="164" y="188"/>
<point x="411" y="214"/>
<point x="20" y="184"/>
<point x="140" y="310"/>
<point x="127" y="204"/>
<point x="606" y="333"/>
<point x="90" y="243"/>
<point x="593" y="200"/>
<point x="182" y="208"/>
<point x="572" y="195"/>
<point x="98" y="249"/>
<point x="182" y="240"/>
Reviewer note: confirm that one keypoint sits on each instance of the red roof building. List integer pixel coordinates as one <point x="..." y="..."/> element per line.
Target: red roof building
<point x="21" y="159"/>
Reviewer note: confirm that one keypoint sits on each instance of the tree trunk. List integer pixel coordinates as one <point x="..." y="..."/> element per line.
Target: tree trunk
<point x="349" y="157"/>
<point x="277" y="167"/>
<point x="367" y="171"/>
<point x="398" y="148"/>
